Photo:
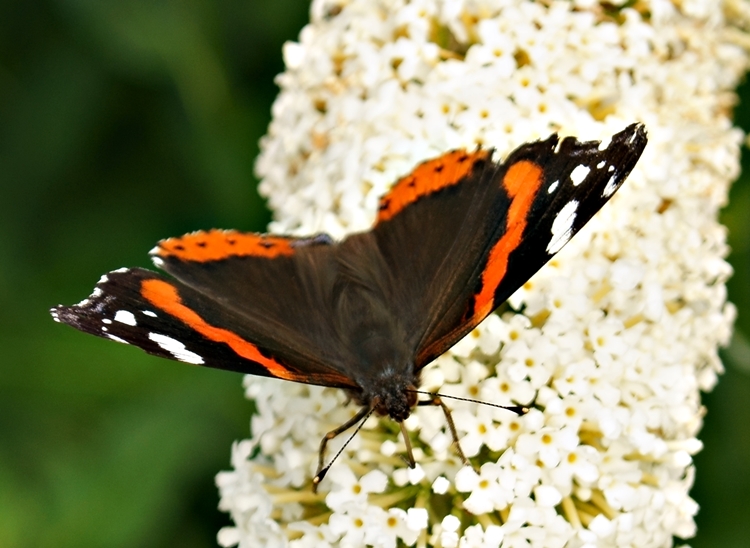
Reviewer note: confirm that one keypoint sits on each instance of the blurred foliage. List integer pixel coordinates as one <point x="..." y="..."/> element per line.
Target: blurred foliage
<point x="121" y="123"/>
<point x="125" y="122"/>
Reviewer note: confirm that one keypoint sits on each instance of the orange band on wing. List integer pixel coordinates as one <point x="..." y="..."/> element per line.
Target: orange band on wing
<point x="428" y="177"/>
<point x="214" y="245"/>
<point x="522" y="182"/>
<point x="165" y="297"/>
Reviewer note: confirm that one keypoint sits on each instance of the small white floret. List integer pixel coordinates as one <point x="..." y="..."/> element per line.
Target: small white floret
<point x="441" y="485"/>
<point x="415" y="474"/>
<point x="417" y="518"/>
<point x="388" y="448"/>
<point x="547" y="496"/>
<point x="451" y="523"/>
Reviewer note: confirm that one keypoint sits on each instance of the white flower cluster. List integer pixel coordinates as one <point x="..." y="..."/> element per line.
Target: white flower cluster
<point x="617" y="335"/>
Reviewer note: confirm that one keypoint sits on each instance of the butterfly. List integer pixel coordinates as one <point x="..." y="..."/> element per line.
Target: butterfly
<point x="452" y="241"/>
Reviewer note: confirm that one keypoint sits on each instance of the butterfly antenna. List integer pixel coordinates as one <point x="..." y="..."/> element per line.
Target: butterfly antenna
<point x="436" y="399"/>
<point x="517" y="409"/>
<point x="360" y="417"/>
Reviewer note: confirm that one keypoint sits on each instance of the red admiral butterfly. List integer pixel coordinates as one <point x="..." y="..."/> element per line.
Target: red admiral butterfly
<point x="452" y="241"/>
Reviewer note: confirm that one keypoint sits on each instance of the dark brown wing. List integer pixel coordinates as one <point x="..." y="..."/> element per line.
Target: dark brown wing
<point x="460" y="246"/>
<point x="257" y="306"/>
<point x="453" y="240"/>
<point x="322" y="307"/>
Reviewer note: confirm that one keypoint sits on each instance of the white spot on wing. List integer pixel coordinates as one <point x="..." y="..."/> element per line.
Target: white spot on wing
<point x="117" y="339"/>
<point x="157" y="261"/>
<point x="579" y="174"/>
<point x="601" y="164"/>
<point x="562" y="227"/>
<point x="553" y="187"/>
<point x="103" y="279"/>
<point x="106" y="320"/>
<point x="122" y="270"/>
<point x="149" y="313"/>
<point x="611" y="186"/>
<point x="126" y="317"/>
<point x="176" y="348"/>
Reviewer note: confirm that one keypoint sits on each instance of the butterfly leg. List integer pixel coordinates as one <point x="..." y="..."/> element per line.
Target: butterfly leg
<point x="365" y="411"/>
<point x="451" y="425"/>
<point x="409" y="458"/>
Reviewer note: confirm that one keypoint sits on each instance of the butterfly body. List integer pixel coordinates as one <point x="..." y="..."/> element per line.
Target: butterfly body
<point x="452" y="241"/>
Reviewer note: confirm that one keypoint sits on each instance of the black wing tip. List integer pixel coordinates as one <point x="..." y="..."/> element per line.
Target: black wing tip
<point x="635" y="136"/>
<point x="58" y="313"/>
<point x="76" y="315"/>
<point x="629" y="145"/>
<point x="631" y="140"/>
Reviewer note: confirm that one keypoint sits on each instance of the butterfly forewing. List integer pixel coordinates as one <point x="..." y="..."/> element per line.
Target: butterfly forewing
<point x="488" y="235"/>
<point x="578" y="179"/>
<point x="169" y="319"/>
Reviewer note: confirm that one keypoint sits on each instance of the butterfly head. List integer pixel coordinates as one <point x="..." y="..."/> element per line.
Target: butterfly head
<point x="390" y="395"/>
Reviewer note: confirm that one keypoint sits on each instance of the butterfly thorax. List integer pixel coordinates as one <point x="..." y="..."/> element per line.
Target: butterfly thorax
<point x="381" y="361"/>
<point x="387" y="377"/>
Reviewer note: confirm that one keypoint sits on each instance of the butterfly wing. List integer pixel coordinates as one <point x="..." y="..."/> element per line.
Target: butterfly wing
<point x="462" y="233"/>
<point x="323" y="306"/>
<point x="243" y="302"/>
<point x="453" y="240"/>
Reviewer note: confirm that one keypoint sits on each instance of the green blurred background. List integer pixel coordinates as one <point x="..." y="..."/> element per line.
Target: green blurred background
<point x="125" y="122"/>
